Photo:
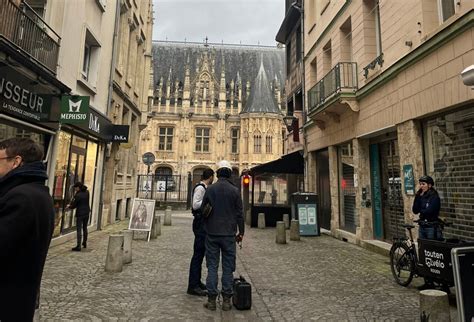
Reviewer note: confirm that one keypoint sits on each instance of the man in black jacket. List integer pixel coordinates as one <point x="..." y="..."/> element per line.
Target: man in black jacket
<point x="80" y="202"/>
<point x="221" y="227"/>
<point x="26" y="227"/>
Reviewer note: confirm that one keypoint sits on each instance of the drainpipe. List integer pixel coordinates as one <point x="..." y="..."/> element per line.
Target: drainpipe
<point x="109" y="101"/>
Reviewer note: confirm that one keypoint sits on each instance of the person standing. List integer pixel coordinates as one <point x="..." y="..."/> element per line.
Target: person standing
<point x="195" y="286"/>
<point x="26" y="227"/>
<point x="427" y="203"/>
<point x="80" y="202"/>
<point x="221" y="227"/>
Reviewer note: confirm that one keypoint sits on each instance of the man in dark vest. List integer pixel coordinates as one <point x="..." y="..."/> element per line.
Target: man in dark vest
<point x="26" y="227"/>
<point x="195" y="286"/>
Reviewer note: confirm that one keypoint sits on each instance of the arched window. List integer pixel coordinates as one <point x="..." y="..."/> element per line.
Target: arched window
<point x="257" y="143"/>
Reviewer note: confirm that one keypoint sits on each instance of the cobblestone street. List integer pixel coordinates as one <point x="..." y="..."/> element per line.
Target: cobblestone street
<point x="317" y="278"/>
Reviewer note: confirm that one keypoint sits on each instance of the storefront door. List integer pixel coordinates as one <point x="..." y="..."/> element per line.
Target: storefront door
<point x="324" y="188"/>
<point x="386" y="189"/>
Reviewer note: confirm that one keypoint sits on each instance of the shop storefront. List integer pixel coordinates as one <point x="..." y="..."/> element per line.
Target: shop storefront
<point x="449" y="159"/>
<point x="347" y="193"/>
<point x="78" y="160"/>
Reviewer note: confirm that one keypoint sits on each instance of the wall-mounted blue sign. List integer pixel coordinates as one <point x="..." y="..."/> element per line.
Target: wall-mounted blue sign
<point x="409" y="179"/>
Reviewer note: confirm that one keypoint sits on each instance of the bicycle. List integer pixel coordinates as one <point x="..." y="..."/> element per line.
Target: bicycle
<point x="405" y="263"/>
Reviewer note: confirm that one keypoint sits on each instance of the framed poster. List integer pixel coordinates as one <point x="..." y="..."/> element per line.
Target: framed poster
<point x="142" y="214"/>
<point x="408" y="179"/>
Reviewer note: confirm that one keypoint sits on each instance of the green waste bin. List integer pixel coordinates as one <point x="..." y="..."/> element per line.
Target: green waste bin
<point x="304" y="208"/>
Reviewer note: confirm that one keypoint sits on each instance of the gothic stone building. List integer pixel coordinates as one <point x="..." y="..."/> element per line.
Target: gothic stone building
<point x="214" y="102"/>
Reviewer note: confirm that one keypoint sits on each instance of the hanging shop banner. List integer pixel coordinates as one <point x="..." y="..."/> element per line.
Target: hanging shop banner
<point x="120" y="133"/>
<point x="23" y="98"/>
<point x="74" y="109"/>
<point x="408" y="179"/>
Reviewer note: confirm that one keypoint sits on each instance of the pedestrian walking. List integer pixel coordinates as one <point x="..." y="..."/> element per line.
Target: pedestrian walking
<point x="80" y="202"/>
<point x="427" y="204"/>
<point x="195" y="286"/>
<point x="26" y="227"/>
<point x="221" y="227"/>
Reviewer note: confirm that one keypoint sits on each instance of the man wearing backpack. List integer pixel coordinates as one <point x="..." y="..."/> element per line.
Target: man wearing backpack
<point x="195" y="286"/>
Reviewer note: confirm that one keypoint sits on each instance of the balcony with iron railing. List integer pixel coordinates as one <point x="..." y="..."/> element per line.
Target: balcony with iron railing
<point x="22" y="27"/>
<point x="336" y="88"/>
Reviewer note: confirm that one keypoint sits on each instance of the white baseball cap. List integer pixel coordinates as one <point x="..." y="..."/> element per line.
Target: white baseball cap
<point x="224" y="164"/>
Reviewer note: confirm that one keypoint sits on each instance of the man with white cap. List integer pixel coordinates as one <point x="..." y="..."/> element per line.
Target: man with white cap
<point x="221" y="226"/>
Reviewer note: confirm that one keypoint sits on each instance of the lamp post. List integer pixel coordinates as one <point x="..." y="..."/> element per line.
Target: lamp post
<point x="289" y="121"/>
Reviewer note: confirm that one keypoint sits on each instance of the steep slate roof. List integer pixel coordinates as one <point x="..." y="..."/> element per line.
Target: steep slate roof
<point x="261" y="99"/>
<point x="239" y="62"/>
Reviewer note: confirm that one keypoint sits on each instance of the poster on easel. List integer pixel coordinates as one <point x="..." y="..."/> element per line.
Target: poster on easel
<point x="141" y="218"/>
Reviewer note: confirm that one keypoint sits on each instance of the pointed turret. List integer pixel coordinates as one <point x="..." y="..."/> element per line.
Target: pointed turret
<point x="261" y="99"/>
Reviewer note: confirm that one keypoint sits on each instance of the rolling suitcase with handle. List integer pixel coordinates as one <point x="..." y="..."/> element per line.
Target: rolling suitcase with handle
<point x="242" y="297"/>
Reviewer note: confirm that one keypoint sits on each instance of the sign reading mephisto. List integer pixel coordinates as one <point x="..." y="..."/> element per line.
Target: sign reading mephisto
<point x="74" y="109"/>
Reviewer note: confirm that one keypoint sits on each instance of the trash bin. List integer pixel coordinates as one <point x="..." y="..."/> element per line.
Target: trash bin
<point x="304" y="208"/>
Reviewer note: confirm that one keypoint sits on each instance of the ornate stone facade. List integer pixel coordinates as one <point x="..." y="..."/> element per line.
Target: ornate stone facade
<point x="214" y="102"/>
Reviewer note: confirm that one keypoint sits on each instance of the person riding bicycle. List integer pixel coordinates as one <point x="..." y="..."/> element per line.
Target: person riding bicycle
<point x="427" y="203"/>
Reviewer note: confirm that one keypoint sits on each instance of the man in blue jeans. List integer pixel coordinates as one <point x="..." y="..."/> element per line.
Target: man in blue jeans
<point x="221" y="226"/>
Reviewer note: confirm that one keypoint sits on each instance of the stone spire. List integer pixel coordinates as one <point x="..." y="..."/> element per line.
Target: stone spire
<point x="261" y="99"/>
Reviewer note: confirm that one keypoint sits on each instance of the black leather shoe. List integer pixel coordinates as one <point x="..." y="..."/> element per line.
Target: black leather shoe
<point x="197" y="291"/>
<point x="76" y="249"/>
<point x="84" y="244"/>
<point x="202" y="286"/>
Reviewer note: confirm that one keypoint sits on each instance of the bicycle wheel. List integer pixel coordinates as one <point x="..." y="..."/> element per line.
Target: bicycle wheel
<point x="402" y="264"/>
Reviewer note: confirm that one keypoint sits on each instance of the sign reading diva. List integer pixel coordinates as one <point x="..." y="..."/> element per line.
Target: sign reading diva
<point x="74" y="109"/>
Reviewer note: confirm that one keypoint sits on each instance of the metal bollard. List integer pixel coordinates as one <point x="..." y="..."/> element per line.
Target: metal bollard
<point x="127" y="246"/>
<point x="280" y="233"/>
<point x="261" y="220"/>
<point x="286" y="220"/>
<point x="114" y="259"/>
<point x="295" y="230"/>
<point x="248" y="217"/>
<point x="434" y="305"/>
<point x="167" y="221"/>
<point x="156" y="224"/>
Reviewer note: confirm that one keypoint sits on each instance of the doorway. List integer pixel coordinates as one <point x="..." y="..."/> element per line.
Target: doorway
<point x="386" y="190"/>
<point x="324" y="188"/>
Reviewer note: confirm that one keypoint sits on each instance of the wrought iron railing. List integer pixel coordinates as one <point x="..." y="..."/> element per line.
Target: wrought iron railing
<point x="342" y="77"/>
<point x="25" y="29"/>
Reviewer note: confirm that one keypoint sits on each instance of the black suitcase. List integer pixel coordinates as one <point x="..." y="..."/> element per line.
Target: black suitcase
<point x="242" y="297"/>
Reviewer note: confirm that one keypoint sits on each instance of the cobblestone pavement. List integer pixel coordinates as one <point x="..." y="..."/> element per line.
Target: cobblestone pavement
<point x="317" y="278"/>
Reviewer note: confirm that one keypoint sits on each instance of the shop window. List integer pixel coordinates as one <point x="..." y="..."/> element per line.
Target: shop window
<point x="446" y="9"/>
<point x="202" y="139"/>
<point x="165" y="139"/>
<point x="235" y="140"/>
<point x="347" y="191"/>
<point x="449" y="156"/>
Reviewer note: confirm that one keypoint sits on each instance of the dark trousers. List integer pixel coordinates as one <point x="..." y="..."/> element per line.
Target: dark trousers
<point x="195" y="268"/>
<point x="81" y="227"/>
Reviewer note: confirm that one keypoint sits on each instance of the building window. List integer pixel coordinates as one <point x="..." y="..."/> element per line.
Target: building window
<point x="446" y="9"/>
<point x="257" y="144"/>
<point x="165" y="139"/>
<point x="90" y="59"/>
<point x="235" y="140"/>
<point x="269" y="143"/>
<point x="288" y="57"/>
<point x="202" y="139"/>
<point x="372" y="20"/>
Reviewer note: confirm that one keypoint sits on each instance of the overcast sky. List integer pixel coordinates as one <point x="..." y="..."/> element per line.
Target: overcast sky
<point x="248" y="22"/>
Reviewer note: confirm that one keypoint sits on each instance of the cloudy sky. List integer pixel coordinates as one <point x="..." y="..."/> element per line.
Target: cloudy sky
<point x="249" y="22"/>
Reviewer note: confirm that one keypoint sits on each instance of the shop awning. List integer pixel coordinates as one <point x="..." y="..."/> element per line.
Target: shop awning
<point x="290" y="163"/>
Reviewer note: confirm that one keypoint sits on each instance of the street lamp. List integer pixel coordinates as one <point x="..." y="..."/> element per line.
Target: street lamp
<point x="289" y="120"/>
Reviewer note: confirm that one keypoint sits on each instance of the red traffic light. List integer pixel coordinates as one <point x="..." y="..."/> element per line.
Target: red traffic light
<point x="246" y="180"/>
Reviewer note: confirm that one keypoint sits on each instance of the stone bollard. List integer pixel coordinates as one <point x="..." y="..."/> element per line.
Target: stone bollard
<point x="295" y="230"/>
<point x="434" y="305"/>
<point x="127" y="246"/>
<point x="167" y="221"/>
<point x="155" y="227"/>
<point x="286" y="220"/>
<point x="261" y="220"/>
<point x="248" y="217"/>
<point x="280" y="233"/>
<point x="114" y="260"/>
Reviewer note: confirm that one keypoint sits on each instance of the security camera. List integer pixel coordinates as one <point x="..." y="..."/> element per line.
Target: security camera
<point x="468" y="76"/>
